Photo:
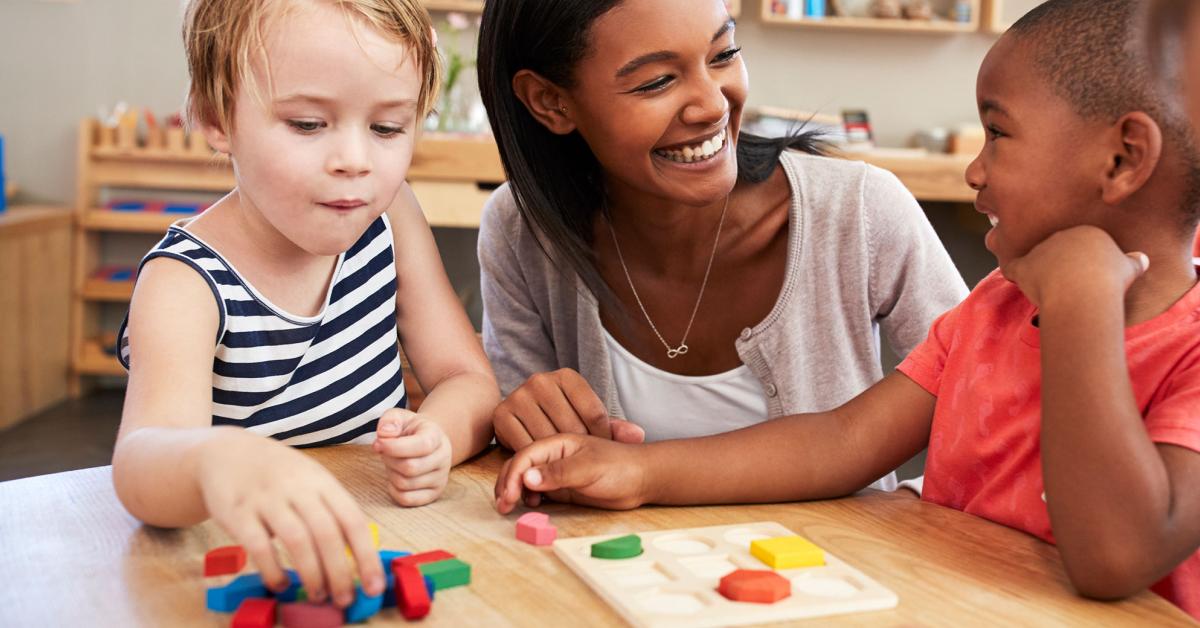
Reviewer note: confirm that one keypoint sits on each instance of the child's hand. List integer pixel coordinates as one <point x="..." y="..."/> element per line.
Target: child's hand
<point x="257" y="489"/>
<point x="416" y="452"/>
<point x="560" y="402"/>
<point x="1084" y="260"/>
<point x="574" y="469"/>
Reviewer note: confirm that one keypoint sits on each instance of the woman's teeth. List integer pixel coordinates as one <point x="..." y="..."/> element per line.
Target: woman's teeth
<point x="692" y="154"/>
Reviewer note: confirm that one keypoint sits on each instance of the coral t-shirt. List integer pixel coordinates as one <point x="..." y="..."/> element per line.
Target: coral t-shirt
<point x="982" y="362"/>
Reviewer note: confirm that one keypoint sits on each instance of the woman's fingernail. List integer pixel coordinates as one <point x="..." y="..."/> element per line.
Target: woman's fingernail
<point x="533" y="477"/>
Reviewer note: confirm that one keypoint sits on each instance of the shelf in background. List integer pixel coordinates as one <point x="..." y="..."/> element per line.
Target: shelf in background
<point x="100" y="219"/>
<point x="92" y="360"/>
<point x="476" y="6"/>
<point x="105" y="290"/>
<point x="874" y="24"/>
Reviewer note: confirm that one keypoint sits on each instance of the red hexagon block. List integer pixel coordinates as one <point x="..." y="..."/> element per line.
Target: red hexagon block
<point x="755" y="585"/>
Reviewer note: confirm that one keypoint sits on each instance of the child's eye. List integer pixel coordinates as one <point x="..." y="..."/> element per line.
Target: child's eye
<point x="387" y="130"/>
<point x="727" y="56"/>
<point x="994" y="132"/>
<point x="655" y="85"/>
<point x="306" y="126"/>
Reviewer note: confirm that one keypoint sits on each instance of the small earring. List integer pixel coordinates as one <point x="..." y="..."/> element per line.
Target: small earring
<point x="562" y="108"/>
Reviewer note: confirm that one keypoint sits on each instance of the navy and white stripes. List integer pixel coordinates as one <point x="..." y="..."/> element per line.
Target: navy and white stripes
<point x="305" y="381"/>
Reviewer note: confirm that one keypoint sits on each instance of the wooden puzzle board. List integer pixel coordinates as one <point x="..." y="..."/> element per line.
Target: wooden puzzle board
<point x="674" y="581"/>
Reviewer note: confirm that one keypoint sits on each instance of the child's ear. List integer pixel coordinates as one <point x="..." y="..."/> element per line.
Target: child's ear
<point x="216" y="136"/>
<point x="1136" y="152"/>
<point x="546" y="102"/>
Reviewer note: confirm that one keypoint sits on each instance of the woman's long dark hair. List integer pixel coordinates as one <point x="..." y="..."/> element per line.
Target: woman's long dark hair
<point x="556" y="180"/>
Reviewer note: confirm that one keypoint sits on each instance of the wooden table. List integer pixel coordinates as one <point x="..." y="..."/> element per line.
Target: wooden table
<point x="73" y="556"/>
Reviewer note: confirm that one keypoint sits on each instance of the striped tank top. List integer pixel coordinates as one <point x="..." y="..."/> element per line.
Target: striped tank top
<point x="306" y="381"/>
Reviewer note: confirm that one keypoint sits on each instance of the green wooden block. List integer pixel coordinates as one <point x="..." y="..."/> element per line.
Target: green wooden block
<point x="618" y="548"/>
<point x="448" y="573"/>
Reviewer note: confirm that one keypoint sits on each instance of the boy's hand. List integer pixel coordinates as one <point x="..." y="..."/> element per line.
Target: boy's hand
<point x="575" y="469"/>
<point x="1084" y="260"/>
<point x="559" y="402"/>
<point x="416" y="452"/>
<point x="257" y="489"/>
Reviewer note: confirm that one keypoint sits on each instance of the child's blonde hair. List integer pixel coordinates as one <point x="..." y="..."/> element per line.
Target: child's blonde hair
<point x="220" y="35"/>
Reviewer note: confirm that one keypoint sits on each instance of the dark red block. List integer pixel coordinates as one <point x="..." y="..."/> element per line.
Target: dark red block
<point x="411" y="596"/>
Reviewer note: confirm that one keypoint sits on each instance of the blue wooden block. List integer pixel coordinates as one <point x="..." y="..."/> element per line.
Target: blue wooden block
<point x="387" y="556"/>
<point x="128" y="206"/>
<point x="364" y="606"/>
<point x="125" y="274"/>
<point x="226" y="599"/>
<point x="292" y="593"/>
<point x="181" y="208"/>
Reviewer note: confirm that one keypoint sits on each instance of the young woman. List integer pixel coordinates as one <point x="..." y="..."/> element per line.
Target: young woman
<point x="649" y="261"/>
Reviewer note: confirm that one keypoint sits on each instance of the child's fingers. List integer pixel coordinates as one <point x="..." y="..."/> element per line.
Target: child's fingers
<point x="330" y="547"/>
<point x="393" y="423"/>
<point x="289" y="529"/>
<point x="412" y="499"/>
<point x="435" y="479"/>
<point x="248" y="531"/>
<point x="413" y="467"/>
<point x="1141" y="262"/>
<point x="357" y="533"/>
<point x="538" y="453"/>
<point x="418" y="444"/>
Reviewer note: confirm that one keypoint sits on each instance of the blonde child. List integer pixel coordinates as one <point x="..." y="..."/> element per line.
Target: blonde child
<point x="272" y="319"/>
<point x="1062" y="398"/>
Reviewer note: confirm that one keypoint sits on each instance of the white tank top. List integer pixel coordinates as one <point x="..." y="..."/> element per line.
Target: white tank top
<point x="670" y="406"/>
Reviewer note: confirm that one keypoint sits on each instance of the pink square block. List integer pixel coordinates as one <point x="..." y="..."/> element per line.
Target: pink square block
<point x="534" y="528"/>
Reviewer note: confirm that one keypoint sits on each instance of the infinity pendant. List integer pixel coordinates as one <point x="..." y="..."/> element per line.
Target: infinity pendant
<point x="674" y="353"/>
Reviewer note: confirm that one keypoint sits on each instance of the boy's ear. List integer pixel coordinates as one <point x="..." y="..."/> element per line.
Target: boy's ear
<point x="1136" y="150"/>
<point x="216" y="137"/>
<point x="546" y="102"/>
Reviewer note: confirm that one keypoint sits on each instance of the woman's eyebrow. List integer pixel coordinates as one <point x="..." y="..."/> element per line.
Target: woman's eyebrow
<point x="665" y="55"/>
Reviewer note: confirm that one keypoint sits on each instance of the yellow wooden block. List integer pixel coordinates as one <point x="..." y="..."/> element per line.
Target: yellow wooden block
<point x="374" y="538"/>
<point x="788" y="552"/>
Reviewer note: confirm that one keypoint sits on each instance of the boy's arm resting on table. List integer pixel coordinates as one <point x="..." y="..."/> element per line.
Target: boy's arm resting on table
<point x="438" y="338"/>
<point x="808" y="456"/>
<point x="1125" y="510"/>
<point x="172" y="468"/>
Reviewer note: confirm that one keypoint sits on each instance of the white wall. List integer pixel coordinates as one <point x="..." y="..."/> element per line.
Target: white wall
<point x="61" y="60"/>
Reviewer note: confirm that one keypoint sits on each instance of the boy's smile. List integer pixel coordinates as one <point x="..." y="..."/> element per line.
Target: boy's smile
<point x="1032" y="177"/>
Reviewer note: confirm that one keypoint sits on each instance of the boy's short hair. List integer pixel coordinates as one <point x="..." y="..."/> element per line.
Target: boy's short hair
<point x="219" y="37"/>
<point x="1091" y="53"/>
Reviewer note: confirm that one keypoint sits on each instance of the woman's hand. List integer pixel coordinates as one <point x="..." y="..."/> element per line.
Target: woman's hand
<point x="575" y="469"/>
<point x="258" y="490"/>
<point x="416" y="453"/>
<point x="559" y="402"/>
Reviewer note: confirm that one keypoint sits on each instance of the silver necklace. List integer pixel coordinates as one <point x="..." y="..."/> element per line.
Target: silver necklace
<point x="682" y="349"/>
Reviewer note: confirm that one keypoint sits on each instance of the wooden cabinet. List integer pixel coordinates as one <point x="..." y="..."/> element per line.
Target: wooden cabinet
<point x="35" y="254"/>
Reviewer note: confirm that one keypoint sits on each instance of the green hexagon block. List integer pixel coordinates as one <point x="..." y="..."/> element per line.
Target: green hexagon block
<point x="448" y="573"/>
<point x="618" y="548"/>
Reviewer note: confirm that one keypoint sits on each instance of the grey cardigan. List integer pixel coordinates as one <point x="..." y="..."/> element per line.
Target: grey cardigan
<point x="861" y="257"/>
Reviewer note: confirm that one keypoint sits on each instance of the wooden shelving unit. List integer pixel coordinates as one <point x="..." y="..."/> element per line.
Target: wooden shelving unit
<point x="939" y="25"/>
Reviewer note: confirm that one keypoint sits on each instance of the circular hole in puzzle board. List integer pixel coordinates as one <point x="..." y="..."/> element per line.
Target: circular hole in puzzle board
<point x="742" y="537"/>
<point x="683" y="544"/>
<point x="709" y="566"/>
<point x="824" y="586"/>
<point x="671" y="603"/>
<point x="638" y="575"/>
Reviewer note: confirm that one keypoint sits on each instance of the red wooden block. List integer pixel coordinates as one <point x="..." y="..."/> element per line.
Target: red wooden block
<point x="424" y="557"/>
<point x="411" y="596"/>
<point x="224" y="560"/>
<point x="755" y="585"/>
<point x="255" y="613"/>
<point x="304" y="615"/>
